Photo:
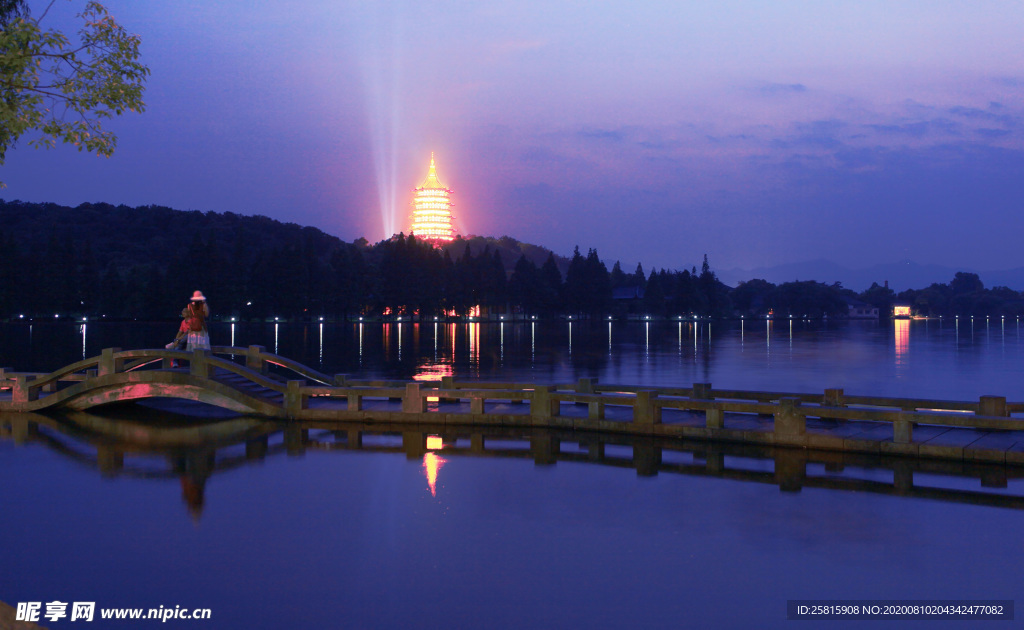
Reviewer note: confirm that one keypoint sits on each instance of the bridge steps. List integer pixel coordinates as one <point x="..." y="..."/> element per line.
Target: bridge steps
<point x="243" y="384"/>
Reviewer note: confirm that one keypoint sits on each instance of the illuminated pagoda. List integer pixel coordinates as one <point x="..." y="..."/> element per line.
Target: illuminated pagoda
<point x="431" y="215"/>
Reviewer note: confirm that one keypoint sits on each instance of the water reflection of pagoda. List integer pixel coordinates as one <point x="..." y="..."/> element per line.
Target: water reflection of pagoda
<point x="431" y="215"/>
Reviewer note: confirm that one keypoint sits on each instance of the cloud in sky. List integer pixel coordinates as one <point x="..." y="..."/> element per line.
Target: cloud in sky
<point x="773" y="89"/>
<point x="758" y="133"/>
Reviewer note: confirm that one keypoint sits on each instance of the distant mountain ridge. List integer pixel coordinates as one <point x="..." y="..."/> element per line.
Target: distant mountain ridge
<point x="901" y="275"/>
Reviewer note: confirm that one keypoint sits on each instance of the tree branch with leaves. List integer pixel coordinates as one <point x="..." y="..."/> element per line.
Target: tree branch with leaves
<point x="65" y="90"/>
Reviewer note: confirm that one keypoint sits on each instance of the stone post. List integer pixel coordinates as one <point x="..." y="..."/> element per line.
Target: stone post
<point x="355" y="401"/>
<point x="833" y="398"/>
<point x="254" y="359"/>
<point x="789" y="423"/>
<point x="476" y="405"/>
<point x="447" y="382"/>
<point x="714" y="417"/>
<point x="476" y="443"/>
<point x="993" y="406"/>
<point x="340" y="380"/>
<point x="542" y="405"/>
<point x="902" y="429"/>
<point x="108" y="364"/>
<point x="294" y="400"/>
<point x="355" y="438"/>
<point x="702" y="391"/>
<point x="645" y="409"/>
<point x="585" y="386"/>
<point x="22" y="391"/>
<point x="413" y="401"/>
<point x="197" y="364"/>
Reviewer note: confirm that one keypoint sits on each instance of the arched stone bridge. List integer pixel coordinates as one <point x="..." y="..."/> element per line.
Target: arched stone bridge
<point x="211" y="377"/>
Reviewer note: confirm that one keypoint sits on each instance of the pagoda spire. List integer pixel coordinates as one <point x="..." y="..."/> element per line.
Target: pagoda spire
<point x="431" y="181"/>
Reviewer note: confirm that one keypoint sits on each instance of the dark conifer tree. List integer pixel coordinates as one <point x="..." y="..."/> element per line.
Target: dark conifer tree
<point x="10" y="273"/>
<point x="497" y="282"/>
<point x="654" y="295"/>
<point x="599" y="294"/>
<point x="576" y="288"/>
<point x="550" y="287"/>
<point x="449" y="286"/>
<point x="639" y="279"/>
<point x="618" y="278"/>
<point x="523" y="286"/>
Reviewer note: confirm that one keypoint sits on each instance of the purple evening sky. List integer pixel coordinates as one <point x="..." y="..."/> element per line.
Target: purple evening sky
<point x="759" y="133"/>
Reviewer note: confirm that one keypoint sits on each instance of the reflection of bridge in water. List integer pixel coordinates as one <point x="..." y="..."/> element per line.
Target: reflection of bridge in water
<point x="252" y="381"/>
<point x="126" y="447"/>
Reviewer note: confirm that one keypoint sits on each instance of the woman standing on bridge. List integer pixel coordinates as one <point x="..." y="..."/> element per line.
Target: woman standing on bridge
<point x="198" y="334"/>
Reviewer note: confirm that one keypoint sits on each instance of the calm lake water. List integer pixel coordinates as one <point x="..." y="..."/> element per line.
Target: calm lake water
<point x="324" y="535"/>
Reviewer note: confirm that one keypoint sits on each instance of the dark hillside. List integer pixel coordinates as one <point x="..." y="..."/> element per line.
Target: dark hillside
<point x="117" y="261"/>
<point x="124" y="236"/>
<point x="99" y="260"/>
<point x="510" y="250"/>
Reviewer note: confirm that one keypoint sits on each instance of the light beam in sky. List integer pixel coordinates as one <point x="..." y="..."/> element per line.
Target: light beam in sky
<point x="382" y="65"/>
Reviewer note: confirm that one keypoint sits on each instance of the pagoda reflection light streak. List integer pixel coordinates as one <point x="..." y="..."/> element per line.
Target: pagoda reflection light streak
<point x="431" y="215"/>
<point x="432" y="462"/>
<point x="433" y="373"/>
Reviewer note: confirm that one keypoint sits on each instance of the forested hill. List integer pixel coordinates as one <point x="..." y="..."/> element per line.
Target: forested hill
<point x="508" y="248"/>
<point x="126" y="237"/>
<point x="144" y="262"/>
<point x="99" y="260"/>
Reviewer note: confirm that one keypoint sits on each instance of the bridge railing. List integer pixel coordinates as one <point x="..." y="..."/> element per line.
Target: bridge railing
<point x="26" y="386"/>
<point x="788" y="411"/>
<point x="258" y="359"/>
